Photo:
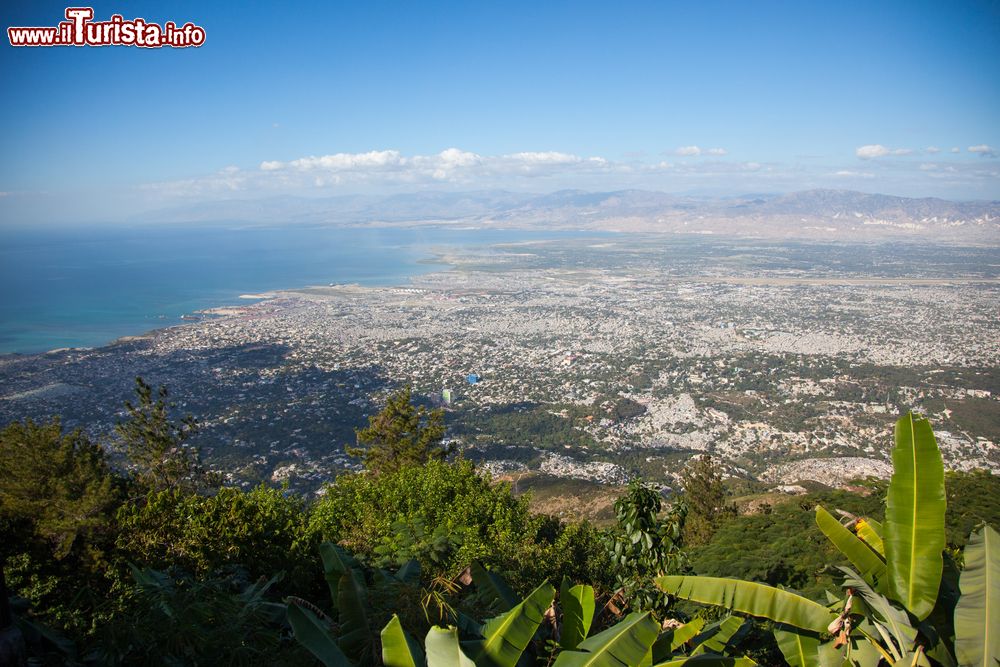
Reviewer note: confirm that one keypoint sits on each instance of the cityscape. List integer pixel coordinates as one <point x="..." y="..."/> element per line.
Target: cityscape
<point x="600" y="359"/>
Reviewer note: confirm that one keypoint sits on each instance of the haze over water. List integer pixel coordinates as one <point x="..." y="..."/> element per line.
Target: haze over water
<point x="84" y="288"/>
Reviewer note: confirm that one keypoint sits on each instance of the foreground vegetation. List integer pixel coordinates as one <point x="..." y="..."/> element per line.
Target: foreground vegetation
<point x="150" y="561"/>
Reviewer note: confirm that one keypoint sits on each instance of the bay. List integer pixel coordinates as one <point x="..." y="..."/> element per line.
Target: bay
<point x="85" y="287"/>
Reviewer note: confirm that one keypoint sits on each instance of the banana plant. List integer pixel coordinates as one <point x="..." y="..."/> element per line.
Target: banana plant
<point x="901" y="600"/>
<point x="637" y="639"/>
<point x="346" y="636"/>
<point x="501" y="642"/>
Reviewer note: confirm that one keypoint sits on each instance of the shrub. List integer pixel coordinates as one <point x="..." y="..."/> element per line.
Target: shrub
<point x="261" y="531"/>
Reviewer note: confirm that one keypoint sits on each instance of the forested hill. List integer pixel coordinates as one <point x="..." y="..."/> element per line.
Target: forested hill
<point x="148" y="560"/>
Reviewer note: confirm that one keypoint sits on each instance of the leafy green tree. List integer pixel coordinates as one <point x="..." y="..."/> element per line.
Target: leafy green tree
<point x="261" y="531"/>
<point x="57" y="501"/>
<point x="57" y="482"/>
<point x="401" y="434"/>
<point x="646" y="545"/>
<point x="447" y="516"/>
<point x="158" y="447"/>
<point x="705" y="496"/>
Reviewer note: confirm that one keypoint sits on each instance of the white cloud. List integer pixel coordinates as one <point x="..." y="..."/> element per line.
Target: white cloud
<point x="344" y="162"/>
<point x="454" y="169"/>
<point x="932" y="150"/>
<point x="983" y="150"/>
<point x="694" y="151"/>
<point x="871" y="151"/>
<point x="548" y="157"/>
<point x="956" y="149"/>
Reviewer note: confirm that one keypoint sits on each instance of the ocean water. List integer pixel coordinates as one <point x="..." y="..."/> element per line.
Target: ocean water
<point x="87" y="287"/>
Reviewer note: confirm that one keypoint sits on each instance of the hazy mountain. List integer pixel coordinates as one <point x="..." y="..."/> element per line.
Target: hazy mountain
<point x="821" y="214"/>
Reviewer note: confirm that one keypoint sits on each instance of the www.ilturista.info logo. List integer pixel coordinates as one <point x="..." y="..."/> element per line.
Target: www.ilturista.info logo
<point x="79" y="29"/>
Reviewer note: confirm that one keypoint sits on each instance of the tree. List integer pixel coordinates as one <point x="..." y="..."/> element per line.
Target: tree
<point x="400" y="435"/>
<point x="262" y="531"/>
<point x="157" y="446"/>
<point x="705" y="495"/>
<point x="395" y="516"/>
<point x="646" y="545"/>
<point x="58" y="483"/>
<point x="57" y="500"/>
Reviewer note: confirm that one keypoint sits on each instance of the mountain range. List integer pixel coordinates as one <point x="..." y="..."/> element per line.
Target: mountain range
<point x="816" y="214"/>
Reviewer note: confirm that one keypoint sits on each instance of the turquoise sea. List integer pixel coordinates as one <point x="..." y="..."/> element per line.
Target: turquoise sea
<point x="86" y="287"/>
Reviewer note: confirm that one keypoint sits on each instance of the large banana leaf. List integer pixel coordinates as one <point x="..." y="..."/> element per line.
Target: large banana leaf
<point x="977" y="616"/>
<point x="666" y="645"/>
<point x="493" y="586"/>
<point x="315" y="635"/>
<point x="352" y="604"/>
<point x="409" y="573"/>
<point x="709" y="660"/>
<point x="686" y="633"/>
<point x="622" y="645"/>
<point x="443" y="649"/>
<point x="399" y="649"/>
<point x="869" y="564"/>
<point x="750" y="598"/>
<point x="506" y="636"/>
<point x="336" y="563"/>
<point x="715" y="639"/>
<point x="578" y="608"/>
<point x="870" y="531"/>
<point x="914" y="517"/>
<point x="893" y="619"/>
<point x="801" y="649"/>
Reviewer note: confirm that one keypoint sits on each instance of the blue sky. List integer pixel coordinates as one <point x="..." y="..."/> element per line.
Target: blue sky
<point x="327" y="98"/>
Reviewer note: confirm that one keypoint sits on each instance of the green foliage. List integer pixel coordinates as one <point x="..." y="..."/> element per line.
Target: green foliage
<point x="59" y="484"/>
<point x="705" y="496"/>
<point x="156" y="446"/>
<point x="914" y="518"/>
<point x="57" y="498"/>
<point x="626" y="643"/>
<point x="314" y="632"/>
<point x="869" y="563"/>
<point x="447" y="516"/>
<point x="398" y="647"/>
<point x="401" y="435"/>
<point x="578" y="607"/>
<point x="911" y="622"/>
<point x="526" y="423"/>
<point x="626" y="408"/>
<point x="646" y="545"/>
<point x="783" y="548"/>
<point x="189" y="621"/>
<point x="750" y="598"/>
<point x="973" y="498"/>
<point x="505" y="637"/>
<point x="262" y="531"/>
<point x="977" y="616"/>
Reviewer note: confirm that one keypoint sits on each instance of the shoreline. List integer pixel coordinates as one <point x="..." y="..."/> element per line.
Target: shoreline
<point x="444" y="257"/>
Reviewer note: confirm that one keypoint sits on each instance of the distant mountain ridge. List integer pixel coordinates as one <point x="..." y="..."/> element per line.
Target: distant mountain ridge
<point x="820" y="214"/>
